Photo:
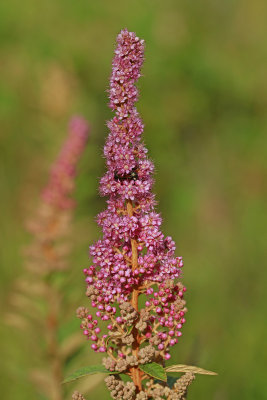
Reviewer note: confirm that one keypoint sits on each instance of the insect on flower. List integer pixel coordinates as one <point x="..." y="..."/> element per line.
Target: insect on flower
<point x="132" y="176"/>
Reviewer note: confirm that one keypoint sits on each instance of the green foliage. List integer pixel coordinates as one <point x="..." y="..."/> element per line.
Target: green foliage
<point x="155" y="370"/>
<point x="85" y="371"/>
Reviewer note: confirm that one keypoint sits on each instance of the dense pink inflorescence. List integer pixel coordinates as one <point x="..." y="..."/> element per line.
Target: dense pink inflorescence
<point x="111" y="278"/>
<point x="60" y="186"/>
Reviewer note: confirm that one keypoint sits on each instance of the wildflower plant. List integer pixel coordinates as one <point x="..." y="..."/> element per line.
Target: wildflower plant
<point x="133" y="282"/>
<point x="38" y="302"/>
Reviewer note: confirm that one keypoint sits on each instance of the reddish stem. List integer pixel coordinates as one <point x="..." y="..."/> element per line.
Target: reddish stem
<point x="135" y="371"/>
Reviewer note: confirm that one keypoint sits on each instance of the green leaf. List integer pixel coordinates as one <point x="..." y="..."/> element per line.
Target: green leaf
<point x="90" y="370"/>
<point x="130" y="330"/>
<point x="155" y="370"/>
<point x="189" y="368"/>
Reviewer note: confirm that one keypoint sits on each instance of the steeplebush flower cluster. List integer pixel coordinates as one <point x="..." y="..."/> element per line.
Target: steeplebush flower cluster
<point x="46" y="257"/>
<point x="139" y="306"/>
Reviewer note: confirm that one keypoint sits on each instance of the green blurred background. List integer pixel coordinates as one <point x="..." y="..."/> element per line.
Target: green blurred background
<point x="203" y="101"/>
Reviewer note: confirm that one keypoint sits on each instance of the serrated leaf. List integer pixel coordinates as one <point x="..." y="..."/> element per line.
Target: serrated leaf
<point x="189" y="368"/>
<point x="90" y="370"/>
<point x="155" y="370"/>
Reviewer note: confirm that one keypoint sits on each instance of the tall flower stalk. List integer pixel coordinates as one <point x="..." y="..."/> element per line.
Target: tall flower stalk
<point x="46" y="262"/>
<point x="133" y="282"/>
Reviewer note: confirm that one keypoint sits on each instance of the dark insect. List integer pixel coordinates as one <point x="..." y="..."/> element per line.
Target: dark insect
<point x="117" y="176"/>
<point x="132" y="176"/>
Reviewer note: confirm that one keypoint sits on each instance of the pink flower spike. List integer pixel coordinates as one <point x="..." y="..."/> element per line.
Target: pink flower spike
<point x="60" y="186"/>
<point x="133" y="277"/>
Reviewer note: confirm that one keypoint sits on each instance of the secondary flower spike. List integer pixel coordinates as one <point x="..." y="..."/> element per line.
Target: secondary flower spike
<point x="61" y="184"/>
<point x="133" y="259"/>
<point x="47" y="269"/>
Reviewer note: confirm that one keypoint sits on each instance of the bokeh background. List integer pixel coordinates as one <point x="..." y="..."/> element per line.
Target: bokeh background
<point x="203" y="100"/>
